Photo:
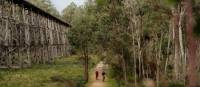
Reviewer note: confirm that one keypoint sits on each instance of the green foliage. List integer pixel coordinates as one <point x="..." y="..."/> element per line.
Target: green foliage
<point x="70" y="12"/>
<point x="81" y="35"/>
<point x="112" y="83"/>
<point x="176" y="85"/>
<point x="173" y="3"/>
<point x="101" y="2"/>
<point x="46" y="5"/>
<point x="114" y="77"/>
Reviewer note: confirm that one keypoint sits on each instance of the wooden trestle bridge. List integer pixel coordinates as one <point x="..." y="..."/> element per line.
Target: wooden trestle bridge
<point x="29" y="35"/>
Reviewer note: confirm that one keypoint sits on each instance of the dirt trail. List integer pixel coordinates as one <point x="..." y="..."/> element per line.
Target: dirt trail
<point x="99" y="82"/>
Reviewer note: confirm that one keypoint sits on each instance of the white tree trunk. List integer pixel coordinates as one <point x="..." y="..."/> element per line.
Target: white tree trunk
<point x="183" y="63"/>
<point x="168" y="46"/>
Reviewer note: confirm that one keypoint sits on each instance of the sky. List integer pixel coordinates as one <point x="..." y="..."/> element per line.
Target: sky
<point x="61" y="4"/>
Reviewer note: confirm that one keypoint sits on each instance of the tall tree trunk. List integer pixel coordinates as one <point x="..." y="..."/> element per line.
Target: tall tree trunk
<point x="176" y="44"/>
<point x="182" y="51"/>
<point x="158" y="61"/>
<point x="132" y="25"/>
<point x="192" y="47"/>
<point x="168" y="46"/>
<point x="139" y="36"/>
<point x="181" y="17"/>
<point x="124" y="70"/>
<point x="85" y="55"/>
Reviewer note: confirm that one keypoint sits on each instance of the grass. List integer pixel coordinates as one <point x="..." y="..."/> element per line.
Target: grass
<point x="41" y="75"/>
<point x="111" y="83"/>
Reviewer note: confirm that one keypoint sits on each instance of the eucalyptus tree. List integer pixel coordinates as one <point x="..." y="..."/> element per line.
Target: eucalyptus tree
<point x="70" y="12"/>
<point x="46" y="5"/>
<point x="81" y="35"/>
